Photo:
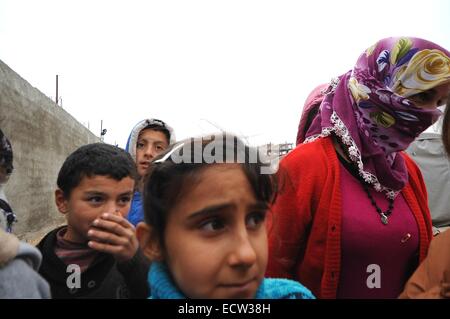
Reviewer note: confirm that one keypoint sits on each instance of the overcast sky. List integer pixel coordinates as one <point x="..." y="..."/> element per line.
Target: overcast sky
<point x="244" y="66"/>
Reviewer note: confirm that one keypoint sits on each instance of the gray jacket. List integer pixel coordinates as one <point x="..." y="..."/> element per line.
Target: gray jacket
<point x="428" y="152"/>
<point x="19" y="263"/>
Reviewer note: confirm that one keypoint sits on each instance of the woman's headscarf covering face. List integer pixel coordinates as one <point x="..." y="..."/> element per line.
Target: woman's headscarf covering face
<point x="369" y="111"/>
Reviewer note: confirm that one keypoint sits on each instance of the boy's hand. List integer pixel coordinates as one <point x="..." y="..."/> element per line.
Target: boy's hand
<point x="114" y="235"/>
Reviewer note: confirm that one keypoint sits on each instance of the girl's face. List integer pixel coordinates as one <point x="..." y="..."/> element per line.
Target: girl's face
<point x="215" y="238"/>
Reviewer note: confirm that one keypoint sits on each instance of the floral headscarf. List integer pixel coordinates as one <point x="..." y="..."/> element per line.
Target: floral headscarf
<point x="369" y="111"/>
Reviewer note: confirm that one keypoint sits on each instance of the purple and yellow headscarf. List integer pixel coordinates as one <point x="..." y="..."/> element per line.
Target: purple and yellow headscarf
<point x="369" y="111"/>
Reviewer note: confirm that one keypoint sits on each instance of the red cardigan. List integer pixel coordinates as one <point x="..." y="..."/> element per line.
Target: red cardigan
<point x="305" y="230"/>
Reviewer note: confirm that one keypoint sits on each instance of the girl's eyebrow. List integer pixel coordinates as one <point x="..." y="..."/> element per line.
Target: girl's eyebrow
<point x="210" y="210"/>
<point x="259" y="206"/>
<point x="214" y="209"/>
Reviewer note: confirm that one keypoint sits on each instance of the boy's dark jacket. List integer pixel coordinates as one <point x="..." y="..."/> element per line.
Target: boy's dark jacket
<point x="105" y="277"/>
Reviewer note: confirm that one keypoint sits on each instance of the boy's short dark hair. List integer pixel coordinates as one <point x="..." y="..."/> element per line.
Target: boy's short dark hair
<point x="95" y="159"/>
<point x="159" y="128"/>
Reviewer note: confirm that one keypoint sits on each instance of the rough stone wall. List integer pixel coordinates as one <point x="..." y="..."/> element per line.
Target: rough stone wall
<point x="42" y="135"/>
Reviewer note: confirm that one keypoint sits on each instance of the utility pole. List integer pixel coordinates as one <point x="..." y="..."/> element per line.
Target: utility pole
<point x="102" y="131"/>
<point x="56" y="97"/>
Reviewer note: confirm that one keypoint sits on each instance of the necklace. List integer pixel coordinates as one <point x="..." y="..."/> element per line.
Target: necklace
<point x="384" y="215"/>
<point x="354" y="171"/>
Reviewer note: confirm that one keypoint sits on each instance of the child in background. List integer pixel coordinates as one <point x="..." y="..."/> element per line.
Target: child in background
<point x="6" y="168"/>
<point x="147" y="139"/>
<point x="205" y="224"/>
<point x="19" y="261"/>
<point x="97" y="254"/>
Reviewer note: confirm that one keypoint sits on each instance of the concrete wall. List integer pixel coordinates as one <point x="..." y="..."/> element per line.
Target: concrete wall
<point x="42" y="135"/>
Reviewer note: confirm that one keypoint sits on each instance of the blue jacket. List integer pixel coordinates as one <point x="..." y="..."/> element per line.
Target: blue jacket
<point x="136" y="212"/>
<point x="162" y="287"/>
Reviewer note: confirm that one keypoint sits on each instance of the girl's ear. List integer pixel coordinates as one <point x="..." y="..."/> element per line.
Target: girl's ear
<point x="61" y="202"/>
<point x="149" y="242"/>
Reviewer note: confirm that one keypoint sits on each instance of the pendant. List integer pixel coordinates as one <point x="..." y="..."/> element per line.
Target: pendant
<point x="384" y="219"/>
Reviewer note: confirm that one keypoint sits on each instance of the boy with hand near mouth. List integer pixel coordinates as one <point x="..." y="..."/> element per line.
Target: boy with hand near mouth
<point x="97" y="254"/>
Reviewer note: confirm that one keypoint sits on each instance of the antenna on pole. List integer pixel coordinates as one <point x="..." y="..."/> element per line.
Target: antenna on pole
<point x="102" y="131"/>
<point x="56" y="97"/>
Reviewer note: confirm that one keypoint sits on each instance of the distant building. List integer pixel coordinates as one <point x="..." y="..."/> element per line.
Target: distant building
<point x="277" y="149"/>
<point x="285" y="148"/>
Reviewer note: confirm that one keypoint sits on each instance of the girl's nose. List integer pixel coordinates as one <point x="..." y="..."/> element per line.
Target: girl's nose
<point x="243" y="253"/>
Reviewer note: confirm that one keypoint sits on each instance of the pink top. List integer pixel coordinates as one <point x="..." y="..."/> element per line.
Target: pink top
<point x="367" y="243"/>
<point x="74" y="253"/>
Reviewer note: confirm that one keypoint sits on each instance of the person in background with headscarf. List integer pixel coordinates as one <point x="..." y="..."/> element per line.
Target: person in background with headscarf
<point x="351" y="219"/>
<point x="147" y="139"/>
<point x="310" y="110"/>
<point x="7" y="216"/>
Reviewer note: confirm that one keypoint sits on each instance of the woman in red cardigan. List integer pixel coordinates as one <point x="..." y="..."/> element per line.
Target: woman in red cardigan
<point x="351" y="219"/>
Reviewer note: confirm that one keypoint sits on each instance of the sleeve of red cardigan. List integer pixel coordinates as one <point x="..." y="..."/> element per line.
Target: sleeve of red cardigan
<point x="420" y="190"/>
<point x="286" y="226"/>
<point x="416" y="175"/>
